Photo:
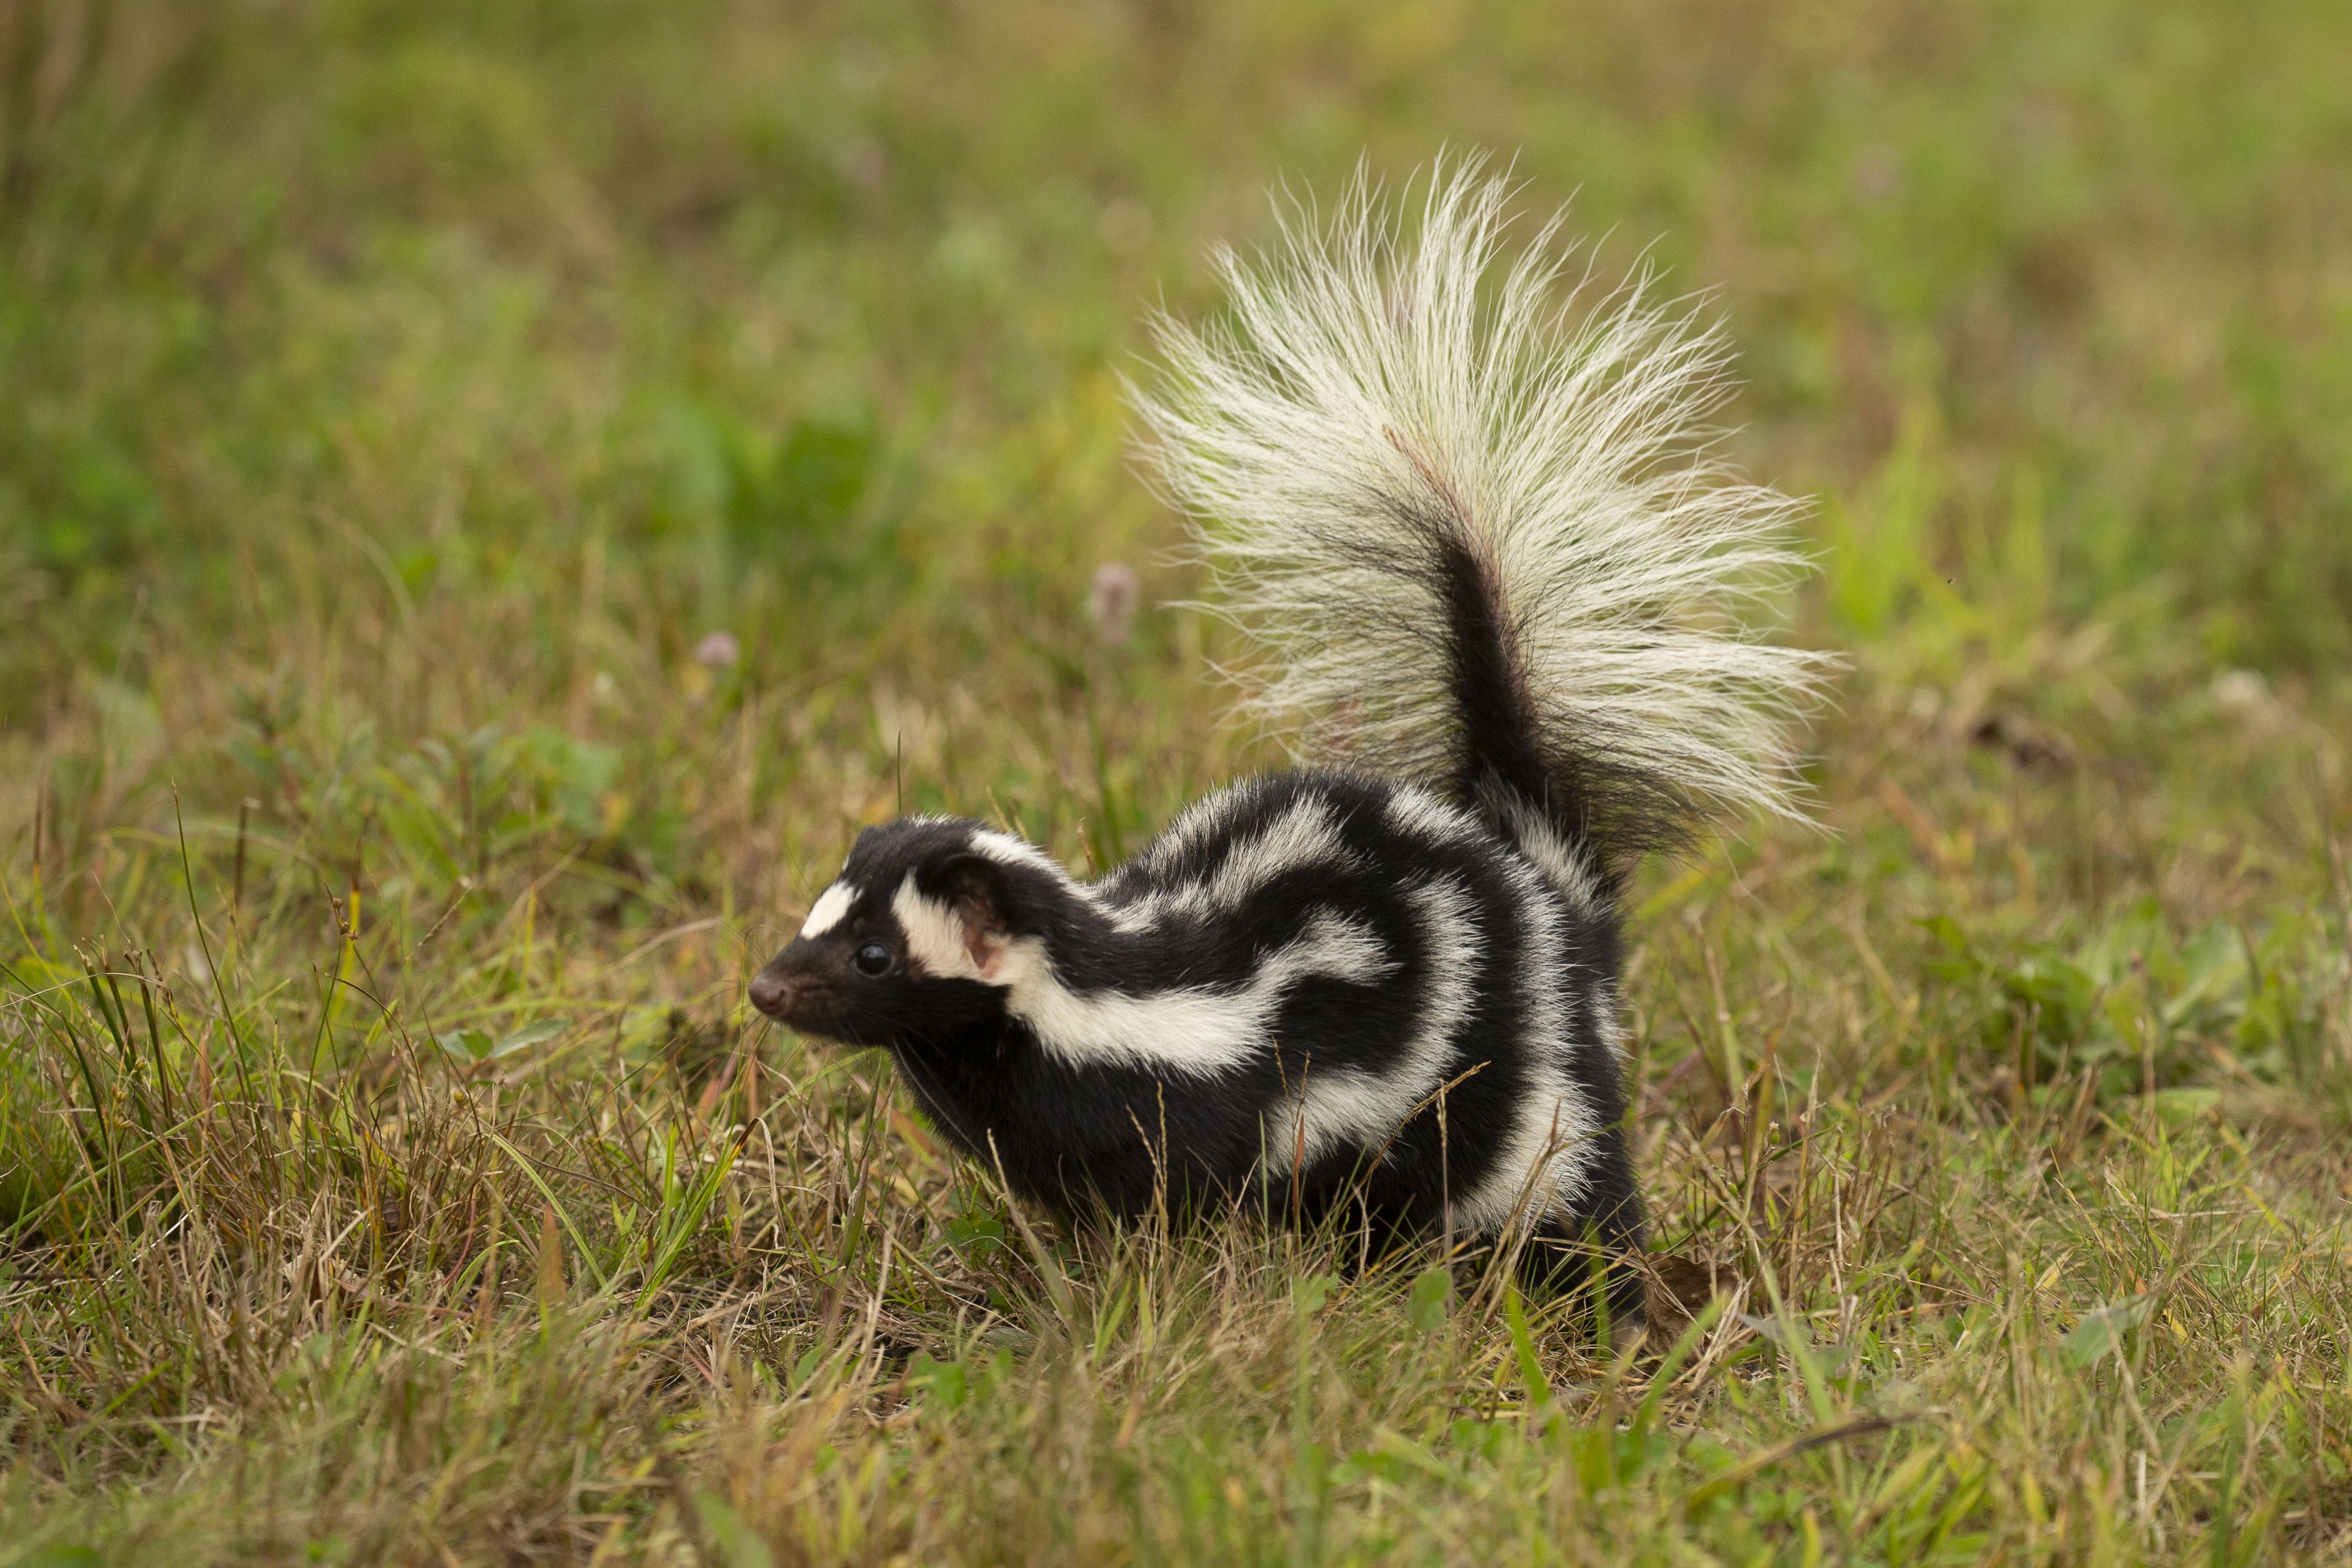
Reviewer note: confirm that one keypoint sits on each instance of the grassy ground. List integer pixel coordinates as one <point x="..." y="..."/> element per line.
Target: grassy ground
<point x="394" y="397"/>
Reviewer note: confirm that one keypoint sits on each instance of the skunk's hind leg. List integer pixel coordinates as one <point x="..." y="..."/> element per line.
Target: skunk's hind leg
<point x="1596" y="1249"/>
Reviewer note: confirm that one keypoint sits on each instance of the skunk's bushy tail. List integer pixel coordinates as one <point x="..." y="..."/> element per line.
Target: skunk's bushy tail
<point x="1470" y="514"/>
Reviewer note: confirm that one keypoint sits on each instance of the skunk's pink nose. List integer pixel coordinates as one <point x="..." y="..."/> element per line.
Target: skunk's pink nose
<point x="768" y="991"/>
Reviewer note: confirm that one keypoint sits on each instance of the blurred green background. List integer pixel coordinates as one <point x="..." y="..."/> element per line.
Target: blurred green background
<point x="398" y="399"/>
<point x="805" y="320"/>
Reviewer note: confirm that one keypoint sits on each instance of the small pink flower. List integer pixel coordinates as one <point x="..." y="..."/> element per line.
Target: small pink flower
<point x="719" y="650"/>
<point x="1111" y="602"/>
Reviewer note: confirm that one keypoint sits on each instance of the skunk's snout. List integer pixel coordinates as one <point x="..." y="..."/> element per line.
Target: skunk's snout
<point x="798" y="986"/>
<point x="771" y="992"/>
<point x="782" y="989"/>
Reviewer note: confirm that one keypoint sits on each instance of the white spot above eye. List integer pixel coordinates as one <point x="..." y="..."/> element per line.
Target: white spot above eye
<point x="830" y="906"/>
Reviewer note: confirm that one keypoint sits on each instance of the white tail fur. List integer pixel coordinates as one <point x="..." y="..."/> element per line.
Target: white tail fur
<point x="1367" y="381"/>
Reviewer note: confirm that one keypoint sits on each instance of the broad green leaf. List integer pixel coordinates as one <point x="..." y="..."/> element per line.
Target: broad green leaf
<point x="63" y="1556"/>
<point x="2103" y="1329"/>
<point x="530" y="1034"/>
<point x="739" y="1546"/>
<point x="2179" y="1107"/>
<point x="466" y="1045"/>
<point x="1433" y="1292"/>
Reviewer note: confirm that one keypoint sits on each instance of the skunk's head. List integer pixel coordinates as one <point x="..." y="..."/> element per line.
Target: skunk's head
<point x="915" y="942"/>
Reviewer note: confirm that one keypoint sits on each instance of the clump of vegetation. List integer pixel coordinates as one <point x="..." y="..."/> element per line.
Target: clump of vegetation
<point x="491" y="496"/>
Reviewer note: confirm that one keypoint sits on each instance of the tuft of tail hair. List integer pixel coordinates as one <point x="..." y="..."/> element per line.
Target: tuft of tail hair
<point x="1470" y="514"/>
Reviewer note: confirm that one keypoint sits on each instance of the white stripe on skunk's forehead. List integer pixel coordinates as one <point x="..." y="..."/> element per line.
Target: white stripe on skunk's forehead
<point x="829" y="908"/>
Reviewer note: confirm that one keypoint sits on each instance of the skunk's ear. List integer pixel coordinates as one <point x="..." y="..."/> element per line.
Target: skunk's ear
<point x="978" y="891"/>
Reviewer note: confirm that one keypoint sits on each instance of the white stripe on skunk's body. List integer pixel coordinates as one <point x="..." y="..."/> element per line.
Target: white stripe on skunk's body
<point x="1194" y="1030"/>
<point x="1305" y="837"/>
<point x="1194" y="826"/>
<point x="1137" y="898"/>
<point x="1338" y="1106"/>
<point x="1005" y="849"/>
<point x="1413" y="810"/>
<point x="1552" y="1125"/>
<point x="1565" y="866"/>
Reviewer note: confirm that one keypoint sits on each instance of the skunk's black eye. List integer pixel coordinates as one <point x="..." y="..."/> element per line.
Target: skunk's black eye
<point x="873" y="960"/>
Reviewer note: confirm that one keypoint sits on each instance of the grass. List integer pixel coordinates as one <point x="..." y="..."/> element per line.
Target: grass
<point x="394" y="399"/>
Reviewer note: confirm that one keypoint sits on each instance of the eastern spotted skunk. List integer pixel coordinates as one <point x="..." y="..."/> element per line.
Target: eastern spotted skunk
<point x="1499" y="581"/>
